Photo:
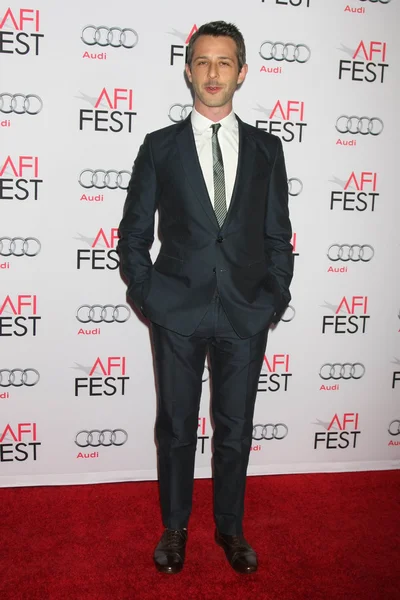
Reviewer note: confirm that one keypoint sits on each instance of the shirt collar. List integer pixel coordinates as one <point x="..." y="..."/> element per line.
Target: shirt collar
<point x="200" y="123"/>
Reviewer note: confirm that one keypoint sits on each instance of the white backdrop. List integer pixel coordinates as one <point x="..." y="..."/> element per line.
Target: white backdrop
<point x="77" y="400"/>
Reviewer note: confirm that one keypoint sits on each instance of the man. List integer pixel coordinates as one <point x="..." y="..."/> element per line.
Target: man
<point x="221" y="278"/>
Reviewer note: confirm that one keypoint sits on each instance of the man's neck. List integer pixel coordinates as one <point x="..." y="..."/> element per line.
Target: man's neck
<point x="214" y="113"/>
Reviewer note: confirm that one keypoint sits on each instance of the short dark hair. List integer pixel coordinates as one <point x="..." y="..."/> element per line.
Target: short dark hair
<point x="217" y="28"/>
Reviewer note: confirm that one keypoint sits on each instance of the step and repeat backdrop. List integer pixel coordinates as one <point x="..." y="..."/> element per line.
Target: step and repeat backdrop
<point x="80" y="86"/>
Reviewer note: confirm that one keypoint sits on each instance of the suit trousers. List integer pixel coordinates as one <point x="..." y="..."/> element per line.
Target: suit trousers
<point x="235" y="365"/>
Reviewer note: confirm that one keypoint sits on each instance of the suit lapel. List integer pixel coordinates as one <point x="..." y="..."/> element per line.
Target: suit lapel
<point x="191" y="165"/>
<point x="244" y="171"/>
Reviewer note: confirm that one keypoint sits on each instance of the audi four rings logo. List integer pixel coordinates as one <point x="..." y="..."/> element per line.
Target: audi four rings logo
<point x="19" y="377"/>
<point x="289" y="52"/>
<point x="179" y="112"/>
<point x="354" y="252"/>
<point x="376" y="1"/>
<point x="101" y="179"/>
<point x="394" y="427"/>
<point x="109" y="36"/>
<point x="19" y="246"/>
<point x="288" y="315"/>
<point x="96" y="438"/>
<point x="342" y="371"/>
<point x="295" y="186"/>
<point x="362" y="125"/>
<point x="98" y="313"/>
<point x="20" y="104"/>
<point x="270" y="431"/>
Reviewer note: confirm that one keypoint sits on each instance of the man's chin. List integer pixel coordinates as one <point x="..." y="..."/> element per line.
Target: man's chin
<point x="214" y="101"/>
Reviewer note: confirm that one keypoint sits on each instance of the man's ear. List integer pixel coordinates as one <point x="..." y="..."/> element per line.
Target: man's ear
<point x="188" y="72"/>
<point x="242" y="74"/>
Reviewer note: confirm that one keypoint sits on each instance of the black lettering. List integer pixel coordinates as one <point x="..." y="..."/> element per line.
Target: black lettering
<point x="113" y="255"/>
<point x="5" y="187"/>
<point x="113" y="118"/>
<point x="82" y="254"/>
<point x="326" y="321"/>
<point x="20" y="37"/>
<point x="22" y="189"/>
<point x="173" y="53"/>
<point x="344" y="435"/>
<point x="4" y="451"/>
<point x="20" y="448"/>
<point x="342" y="68"/>
<point x="4" y="41"/>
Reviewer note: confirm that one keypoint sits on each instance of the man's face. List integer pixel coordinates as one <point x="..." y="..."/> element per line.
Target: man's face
<point x="214" y="72"/>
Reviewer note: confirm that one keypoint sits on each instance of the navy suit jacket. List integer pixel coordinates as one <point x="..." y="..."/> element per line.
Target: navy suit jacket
<point x="249" y="259"/>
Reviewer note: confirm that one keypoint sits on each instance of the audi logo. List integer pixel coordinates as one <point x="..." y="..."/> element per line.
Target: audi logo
<point x="19" y="246"/>
<point x="97" y="313"/>
<point x="109" y="36"/>
<point x="101" y="179"/>
<point x="394" y="427"/>
<point x="96" y="438"/>
<point x="289" y="314"/>
<point x="289" y="52"/>
<point x="295" y="186"/>
<point x="19" y="377"/>
<point x="179" y="112"/>
<point x="362" y="125"/>
<point x="270" y="431"/>
<point x="354" y="252"/>
<point x="375" y="1"/>
<point x="342" y="371"/>
<point x="20" y="104"/>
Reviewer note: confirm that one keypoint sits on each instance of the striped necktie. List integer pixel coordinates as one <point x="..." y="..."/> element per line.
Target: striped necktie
<point x="219" y="177"/>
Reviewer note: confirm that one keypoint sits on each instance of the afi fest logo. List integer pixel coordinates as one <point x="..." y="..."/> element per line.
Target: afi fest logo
<point x="368" y="62"/>
<point x="106" y="377"/>
<point x="340" y="433"/>
<point x="19" y="31"/>
<point x="359" y="192"/>
<point x="18" y="442"/>
<point x="102" y="253"/>
<point x="304" y="3"/>
<point x="19" y="178"/>
<point x="112" y="111"/>
<point x="286" y="120"/>
<point x="179" y="51"/>
<point x="275" y="373"/>
<point x="349" y="317"/>
<point x="18" y="316"/>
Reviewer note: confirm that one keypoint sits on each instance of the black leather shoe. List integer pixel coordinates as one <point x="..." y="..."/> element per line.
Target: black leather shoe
<point x="169" y="554"/>
<point x="239" y="553"/>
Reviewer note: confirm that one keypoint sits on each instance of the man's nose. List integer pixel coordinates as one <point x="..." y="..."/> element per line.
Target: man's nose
<point x="213" y="70"/>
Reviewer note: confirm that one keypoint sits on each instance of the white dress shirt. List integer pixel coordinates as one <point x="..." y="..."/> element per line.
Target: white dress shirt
<point x="228" y="136"/>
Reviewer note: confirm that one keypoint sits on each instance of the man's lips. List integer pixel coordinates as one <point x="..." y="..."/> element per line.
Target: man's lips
<point x="212" y="89"/>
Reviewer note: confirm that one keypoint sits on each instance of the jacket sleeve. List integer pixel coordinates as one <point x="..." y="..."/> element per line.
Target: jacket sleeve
<point x="277" y="234"/>
<point x="136" y="229"/>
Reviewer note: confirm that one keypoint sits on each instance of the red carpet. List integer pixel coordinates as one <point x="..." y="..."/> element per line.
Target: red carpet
<point x="318" y="537"/>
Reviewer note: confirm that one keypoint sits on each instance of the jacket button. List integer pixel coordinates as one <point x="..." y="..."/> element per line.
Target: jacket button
<point x="220" y="239"/>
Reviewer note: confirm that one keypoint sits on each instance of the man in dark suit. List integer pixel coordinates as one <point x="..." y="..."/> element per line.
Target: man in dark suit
<point x="220" y="279"/>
